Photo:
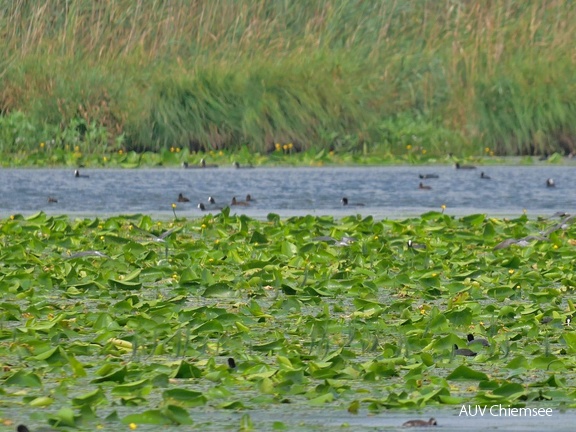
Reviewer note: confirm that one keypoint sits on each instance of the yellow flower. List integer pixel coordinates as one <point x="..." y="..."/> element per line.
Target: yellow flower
<point x="105" y="159"/>
<point x="220" y="153"/>
<point x="173" y="205"/>
<point x="408" y="147"/>
<point x="172" y="149"/>
<point x="487" y="149"/>
<point x="511" y="271"/>
<point x="290" y="145"/>
<point x="203" y="226"/>
<point x="77" y="148"/>
<point x="285" y="146"/>
<point x="120" y="152"/>
<point x="42" y="145"/>
<point x="423" y="151"/>
<point x="133" y="426"/>
<point x="278" y="147"/>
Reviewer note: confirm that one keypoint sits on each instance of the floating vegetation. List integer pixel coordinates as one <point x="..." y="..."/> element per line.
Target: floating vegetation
<point x="100" y="328"/>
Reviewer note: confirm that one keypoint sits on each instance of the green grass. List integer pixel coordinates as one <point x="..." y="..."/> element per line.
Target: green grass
<point x="102" y="325"/>
<point x="367" y="77"/>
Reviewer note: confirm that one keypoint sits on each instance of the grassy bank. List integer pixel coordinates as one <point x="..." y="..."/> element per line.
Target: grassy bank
<point x="350" y="76"/>
<point x="105" y="326"/>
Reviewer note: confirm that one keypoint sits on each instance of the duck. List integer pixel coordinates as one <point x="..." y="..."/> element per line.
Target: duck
<point x="185" y="165"/>
<point x="484" y="176"/>
<point x="77" y="174"/>
<point x="249" y="199"/>
<point x="464" y="351"/>
<point x="458" y="166"/>
<point x="212" y="203"/>
<point x="52" y="200"/>
<point x="201" y="207"/>
<point x="203" y="164"/>
<point x="235" y="202"/>
<point x="424" y="187"/>
<point x="420" y="423"/>
<point x="550" y="183"/>
<point x="182" y="198"/>
<point x="480" y="341"/>
<point x="413" y="245"/>
<point x="345" y="202"/>
<point x="428" y="176"/>
<point x="345" y="241"/>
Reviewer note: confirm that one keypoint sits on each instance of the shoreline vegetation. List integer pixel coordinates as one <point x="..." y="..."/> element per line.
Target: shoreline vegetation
<point x="82" y="81"/>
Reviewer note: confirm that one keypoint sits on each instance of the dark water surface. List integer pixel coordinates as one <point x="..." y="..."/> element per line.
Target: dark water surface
<point x="385" y="191"/>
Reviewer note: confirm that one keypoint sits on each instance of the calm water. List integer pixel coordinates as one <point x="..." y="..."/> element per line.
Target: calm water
<point x="384" y="191"/>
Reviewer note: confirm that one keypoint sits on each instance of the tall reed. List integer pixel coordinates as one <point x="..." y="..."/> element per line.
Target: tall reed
<point x="347" y="74"/>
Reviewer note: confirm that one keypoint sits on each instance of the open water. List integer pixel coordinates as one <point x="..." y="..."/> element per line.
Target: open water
<point x="388" y="191"/>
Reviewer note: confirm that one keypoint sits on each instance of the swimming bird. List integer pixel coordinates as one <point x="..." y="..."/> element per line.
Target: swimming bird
<point x="472" y="340"/>
<point x="467" y="167"/>
<point x="345" y="241"/>
<point x="157" y="238"/>
<point x="463" y="351"/>
<point x="413" y="245"/>
<point x="77" y="174"/>
<point x="550" y="183"/>
<point x="235" y="202"/>
<point x="484" y="176"/>
<point x="428" y="176"/>
<point x="52" y="200"/>
<point x="249" y="199"/>
<point x="81" y="254"/>
<point x="185" y="165"/>
<point x="212" y="204"/>
<point x="182" y="198"/>
<point x="420" y="423"/>
<point x="203" y="164"/>
<point x="345" y="202"/>
<point x="424" y="187"/>
<point x="201" y="206"/>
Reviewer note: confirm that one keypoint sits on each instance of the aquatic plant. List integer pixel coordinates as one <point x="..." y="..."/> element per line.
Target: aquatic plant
<point x="132" y="320"/>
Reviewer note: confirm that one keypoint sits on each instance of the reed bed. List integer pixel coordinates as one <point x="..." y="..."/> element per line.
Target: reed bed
<point x="350" y="75"/>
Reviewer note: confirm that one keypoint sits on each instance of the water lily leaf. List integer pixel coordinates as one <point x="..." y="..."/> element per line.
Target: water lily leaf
<point x="570" y="340"/>
<point x="183" y="397"/>
<point x="22" y="378"/>
<point x="219" y="290"/>
<point x="155" y="417"/>
<point x="187" y="370"/>
<point x="116" y="376"/>
<point x="53" y="356"/>
<point x="510" y="390"/>
<point x="91" y="398"/>
<point x="40" y="402"/>
<point x="121" y="284"/>
<point x="64" y="417"/>
<point x="140" y="388"/>
<point x="465" y="373"/>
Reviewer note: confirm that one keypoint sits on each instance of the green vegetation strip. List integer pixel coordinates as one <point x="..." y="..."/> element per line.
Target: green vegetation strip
<point x="350" y="75"/>
<point x="103" y="324"/>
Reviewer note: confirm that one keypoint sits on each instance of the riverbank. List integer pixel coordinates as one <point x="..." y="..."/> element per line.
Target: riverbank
<point x="369" y="78"/>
